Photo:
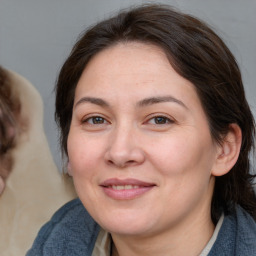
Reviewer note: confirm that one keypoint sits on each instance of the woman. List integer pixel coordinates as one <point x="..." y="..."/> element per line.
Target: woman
<point x="157" y="133"/>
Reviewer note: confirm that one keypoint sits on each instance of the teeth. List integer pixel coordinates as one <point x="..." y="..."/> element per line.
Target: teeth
<point x="121" y="187"/>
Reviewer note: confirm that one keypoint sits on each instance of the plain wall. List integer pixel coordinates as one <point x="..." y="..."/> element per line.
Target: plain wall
<point x="36" y="37"/>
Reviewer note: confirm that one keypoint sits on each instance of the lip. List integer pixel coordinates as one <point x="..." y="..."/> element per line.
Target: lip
<point x="133" y="188"/>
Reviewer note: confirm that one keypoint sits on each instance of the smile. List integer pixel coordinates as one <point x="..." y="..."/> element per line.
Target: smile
<point x="127" y="189"/>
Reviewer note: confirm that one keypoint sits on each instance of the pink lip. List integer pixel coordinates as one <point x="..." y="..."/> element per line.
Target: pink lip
<point x="126" y="194"/>
<point x="119" y="182"/>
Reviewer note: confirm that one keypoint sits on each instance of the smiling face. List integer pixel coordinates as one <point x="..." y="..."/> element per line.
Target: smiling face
<point x="140" y="150"/>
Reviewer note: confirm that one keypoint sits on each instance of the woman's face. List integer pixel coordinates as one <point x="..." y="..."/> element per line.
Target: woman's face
<point x="140" y="150"/>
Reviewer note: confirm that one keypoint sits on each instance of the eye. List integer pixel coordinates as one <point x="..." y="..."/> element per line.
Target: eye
<point x="95" y="120"/>
<point x="160" y="120"/>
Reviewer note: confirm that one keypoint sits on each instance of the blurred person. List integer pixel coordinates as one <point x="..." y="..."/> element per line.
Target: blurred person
<point x="31" y="186"/>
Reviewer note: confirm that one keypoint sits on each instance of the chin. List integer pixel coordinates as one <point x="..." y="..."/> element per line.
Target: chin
<point x="126" y="224"/>
<point x="128" y="230"/>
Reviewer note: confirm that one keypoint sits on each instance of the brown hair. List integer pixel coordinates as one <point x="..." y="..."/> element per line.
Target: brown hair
<point x="197" y="54"/>
<point x="9" y="105"/>
<point x="7" y="120"/>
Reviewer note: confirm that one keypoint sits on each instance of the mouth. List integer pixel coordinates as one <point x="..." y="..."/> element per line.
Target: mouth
<point x="123" y="187"/>
<point x="126" y="189"/>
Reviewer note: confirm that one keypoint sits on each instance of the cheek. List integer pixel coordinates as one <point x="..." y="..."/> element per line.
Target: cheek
<point x="181" y="154"/>
<point x="84" y="155"/>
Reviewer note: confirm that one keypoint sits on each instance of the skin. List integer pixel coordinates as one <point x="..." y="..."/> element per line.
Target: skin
<point x="135" y="117"/>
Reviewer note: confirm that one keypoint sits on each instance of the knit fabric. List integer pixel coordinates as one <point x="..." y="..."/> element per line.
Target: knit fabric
<point x="70" y="232"/>
<point x="73" y="232"/>
<point x="237" y="235"/>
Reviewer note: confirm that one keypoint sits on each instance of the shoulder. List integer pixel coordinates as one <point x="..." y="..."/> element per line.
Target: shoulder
<point x="71" y="231"/>
<point x="237" y="235"/>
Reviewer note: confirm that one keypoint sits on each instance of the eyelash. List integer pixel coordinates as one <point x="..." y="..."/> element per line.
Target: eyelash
<point x="94" y="118"/>
<point x="162" y="118"/>
<point x="157" y="119"/>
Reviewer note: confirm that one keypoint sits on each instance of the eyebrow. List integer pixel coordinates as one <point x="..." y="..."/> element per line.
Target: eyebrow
<point x="97" y="101"/>
<point x="160" y="99"/>
<point x="142" y="103"/>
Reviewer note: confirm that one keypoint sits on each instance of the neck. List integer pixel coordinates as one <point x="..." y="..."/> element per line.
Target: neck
<point x="186" y="239"/>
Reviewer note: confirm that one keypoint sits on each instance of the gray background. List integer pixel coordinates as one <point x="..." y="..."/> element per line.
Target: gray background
<point x="36" y="37"/>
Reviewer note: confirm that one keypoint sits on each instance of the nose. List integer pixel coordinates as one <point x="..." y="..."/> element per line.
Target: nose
<point x="124" y="149"/>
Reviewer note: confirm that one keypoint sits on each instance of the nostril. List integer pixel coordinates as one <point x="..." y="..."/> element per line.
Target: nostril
<point x="110" y="162"/>
<point x="123" y="158"/>
<point x="121" y="164"/>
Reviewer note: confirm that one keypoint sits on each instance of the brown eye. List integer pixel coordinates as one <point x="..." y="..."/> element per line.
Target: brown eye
<point x="160" y="120"/>
<point x="95" y="120"/>
<point x="98" y="120"/>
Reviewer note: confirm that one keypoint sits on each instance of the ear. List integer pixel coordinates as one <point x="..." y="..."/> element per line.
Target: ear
<point x="228" y="151"/>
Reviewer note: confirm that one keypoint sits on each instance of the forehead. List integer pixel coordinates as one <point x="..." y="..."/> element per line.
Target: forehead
<point x="132" y="65"/>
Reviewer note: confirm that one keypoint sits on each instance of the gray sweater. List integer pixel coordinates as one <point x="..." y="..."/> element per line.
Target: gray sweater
<point x="73" y="232"/>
